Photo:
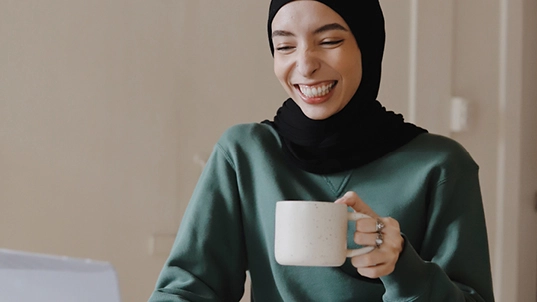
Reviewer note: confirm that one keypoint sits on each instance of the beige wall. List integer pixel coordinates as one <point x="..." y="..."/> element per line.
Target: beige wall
<point x="527" y="262"/>
<point x="90" y="131"/>
<point x="475" y="77"/>
<point x="495" y="68"/>
<point x="104" y="105"/>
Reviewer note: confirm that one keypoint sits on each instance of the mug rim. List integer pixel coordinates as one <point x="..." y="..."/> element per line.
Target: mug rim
<point x="310" y="202"/>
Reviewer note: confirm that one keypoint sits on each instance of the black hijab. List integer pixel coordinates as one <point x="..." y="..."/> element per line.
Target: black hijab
<point x="363" y="130"/>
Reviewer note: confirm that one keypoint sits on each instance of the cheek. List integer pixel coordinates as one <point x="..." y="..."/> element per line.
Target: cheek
<point x="281" y="71"/>
<point x="350" y="66"/>
<point x="353" y="75"/>
<point x="357" y="78"/>
<point x="278" y="70"/>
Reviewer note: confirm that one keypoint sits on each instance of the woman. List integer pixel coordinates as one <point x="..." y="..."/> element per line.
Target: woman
<point x="333" y="141"/>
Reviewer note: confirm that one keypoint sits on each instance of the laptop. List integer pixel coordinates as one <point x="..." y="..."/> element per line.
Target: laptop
<point x="30" y="277"/>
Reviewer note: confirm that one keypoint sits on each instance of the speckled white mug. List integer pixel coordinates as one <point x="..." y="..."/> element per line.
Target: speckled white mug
<point x="313" y="233"/>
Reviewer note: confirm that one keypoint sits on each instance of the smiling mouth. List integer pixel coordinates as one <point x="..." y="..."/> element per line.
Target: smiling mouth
<point x="316" y="91"/>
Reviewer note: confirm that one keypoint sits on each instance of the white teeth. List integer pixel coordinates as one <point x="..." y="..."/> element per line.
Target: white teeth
<point x="316" y="91"/>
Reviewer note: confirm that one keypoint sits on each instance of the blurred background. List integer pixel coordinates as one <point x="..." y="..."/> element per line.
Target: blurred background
<point x="108" y="110"/>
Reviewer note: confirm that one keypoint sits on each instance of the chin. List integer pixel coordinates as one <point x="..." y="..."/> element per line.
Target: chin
<point x="317" y="116"/>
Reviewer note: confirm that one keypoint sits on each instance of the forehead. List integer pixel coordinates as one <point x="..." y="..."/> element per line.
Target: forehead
<point x="305" y="15"/>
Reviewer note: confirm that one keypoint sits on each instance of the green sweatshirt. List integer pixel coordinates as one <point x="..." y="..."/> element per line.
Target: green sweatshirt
<point x="430" y="186"/>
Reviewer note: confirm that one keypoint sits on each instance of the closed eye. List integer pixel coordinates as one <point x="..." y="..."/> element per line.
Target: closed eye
<point x="332" y="42"/>
<point x="285" y="48"/>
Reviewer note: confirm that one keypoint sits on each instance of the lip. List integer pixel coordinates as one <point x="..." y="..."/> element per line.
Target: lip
<point x="315" y="100"/>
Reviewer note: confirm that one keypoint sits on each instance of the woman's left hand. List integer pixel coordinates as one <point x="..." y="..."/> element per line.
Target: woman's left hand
<point x="381" y="261"/>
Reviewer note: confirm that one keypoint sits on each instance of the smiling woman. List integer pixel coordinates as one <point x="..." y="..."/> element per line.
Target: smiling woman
<point x="316" y="58"/>
<point x="332" y="141"/>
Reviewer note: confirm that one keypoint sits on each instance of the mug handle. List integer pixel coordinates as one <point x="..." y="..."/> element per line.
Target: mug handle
<point x="357" y="252"/>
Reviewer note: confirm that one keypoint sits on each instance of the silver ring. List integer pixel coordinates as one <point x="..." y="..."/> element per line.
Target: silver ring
<point x="379" y="226"/>
<point x="379" y="240"/>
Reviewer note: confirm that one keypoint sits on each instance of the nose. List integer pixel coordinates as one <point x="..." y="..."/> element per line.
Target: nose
<point x="307" y="63"/>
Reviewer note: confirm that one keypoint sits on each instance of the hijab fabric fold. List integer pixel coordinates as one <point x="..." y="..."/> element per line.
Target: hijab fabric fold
<point x="363" y="131"/>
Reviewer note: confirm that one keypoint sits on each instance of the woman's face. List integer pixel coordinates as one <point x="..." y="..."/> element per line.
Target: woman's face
<point x="316" y="57"/>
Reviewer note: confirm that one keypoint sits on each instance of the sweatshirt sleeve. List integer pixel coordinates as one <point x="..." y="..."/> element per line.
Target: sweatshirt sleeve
<point x="208" y="259"/>
<point x="453" y="262"/>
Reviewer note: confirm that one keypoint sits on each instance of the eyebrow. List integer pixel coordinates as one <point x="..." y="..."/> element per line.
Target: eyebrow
<point x="327" y="27"/>
<point x="331" y="26"/>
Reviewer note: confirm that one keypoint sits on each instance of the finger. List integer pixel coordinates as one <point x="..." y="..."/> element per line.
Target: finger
<point x="375" y="264"/>
<point x="377" y="271"/>
<point x="373" y="258"/>
<point x="382" y="225"/>
<point x="392" y="242"/>
<point x="351" y="199"/>
<point x="368" y="239"/>
<point x="390" y="223"/>
<point x="366" y="225"/>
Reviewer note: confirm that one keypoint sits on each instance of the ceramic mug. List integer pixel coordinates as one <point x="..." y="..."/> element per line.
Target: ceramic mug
<point x="313" y="233"/>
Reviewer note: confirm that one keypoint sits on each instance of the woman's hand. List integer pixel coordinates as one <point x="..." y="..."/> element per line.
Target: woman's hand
<point x="381" y="261"/>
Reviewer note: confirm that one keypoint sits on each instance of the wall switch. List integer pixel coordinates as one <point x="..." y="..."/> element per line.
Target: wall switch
<point x="459" y="114"/>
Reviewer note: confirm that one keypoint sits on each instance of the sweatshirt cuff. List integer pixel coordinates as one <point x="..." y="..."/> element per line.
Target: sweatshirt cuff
<point x="410" y="277"/>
